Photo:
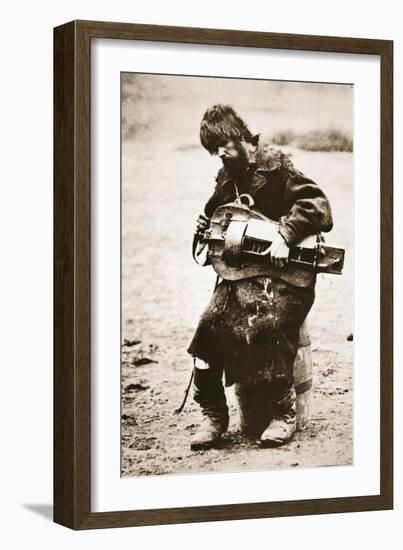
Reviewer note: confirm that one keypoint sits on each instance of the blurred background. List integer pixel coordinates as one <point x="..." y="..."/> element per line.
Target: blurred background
<point x="286" y="111"/>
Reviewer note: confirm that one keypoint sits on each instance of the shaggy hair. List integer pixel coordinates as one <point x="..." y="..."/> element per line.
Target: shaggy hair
<point x="220" y="124"/>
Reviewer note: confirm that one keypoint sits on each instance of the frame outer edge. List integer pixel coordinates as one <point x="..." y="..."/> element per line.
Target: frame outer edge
<point x="63" y="365"/>
<point x="72" y="259"/>
<point x="232" y="37"/>
<point x="82" y="298"/>
<point x="387" y="274"/>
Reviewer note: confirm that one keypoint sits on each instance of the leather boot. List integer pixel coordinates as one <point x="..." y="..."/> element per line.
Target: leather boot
<point x="254" y="407"/>
<point x="209" y="393"/>
<point x="284" y="419"/>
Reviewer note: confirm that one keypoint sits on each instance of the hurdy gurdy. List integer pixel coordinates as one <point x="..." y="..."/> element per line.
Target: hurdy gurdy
<point x="238" y="244"/>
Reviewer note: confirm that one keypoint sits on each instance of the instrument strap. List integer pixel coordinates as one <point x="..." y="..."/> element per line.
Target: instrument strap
<point x="187" y="390"/>
<point x="238" y="196"/>
<point x="196" y="241"/>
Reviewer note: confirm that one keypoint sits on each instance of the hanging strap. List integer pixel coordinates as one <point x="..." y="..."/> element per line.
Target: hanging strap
<point x="187" y="390"/>
<point x="197" y="238"/>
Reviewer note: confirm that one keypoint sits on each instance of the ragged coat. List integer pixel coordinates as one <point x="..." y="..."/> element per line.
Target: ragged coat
<point x="250" y="328"/>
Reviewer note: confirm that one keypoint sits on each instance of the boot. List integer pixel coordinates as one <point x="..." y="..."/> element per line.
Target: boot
<point x="254" y="407"/>
<point x="209" y="393"/>
<point x="284" y="419"/>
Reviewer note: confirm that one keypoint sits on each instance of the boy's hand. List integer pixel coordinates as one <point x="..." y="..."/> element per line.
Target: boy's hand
<point x="202" y="223"/>
<point x="279" y="252"/>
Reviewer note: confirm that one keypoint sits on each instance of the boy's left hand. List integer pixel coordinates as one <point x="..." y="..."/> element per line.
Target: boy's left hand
<point x="279" y="252"/>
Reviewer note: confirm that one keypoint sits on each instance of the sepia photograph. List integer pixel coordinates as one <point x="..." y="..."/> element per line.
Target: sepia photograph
<point x="237" y="344"/>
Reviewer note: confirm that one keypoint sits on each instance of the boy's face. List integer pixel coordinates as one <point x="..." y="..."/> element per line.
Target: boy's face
<point x="233" y="155"/>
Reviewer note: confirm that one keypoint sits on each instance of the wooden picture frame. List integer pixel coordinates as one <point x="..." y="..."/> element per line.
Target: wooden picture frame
<point x="72" y="273"/>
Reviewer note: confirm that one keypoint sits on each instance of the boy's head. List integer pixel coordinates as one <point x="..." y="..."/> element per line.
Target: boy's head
<point x="224" y="133"/>
<point x="220" y="125"/>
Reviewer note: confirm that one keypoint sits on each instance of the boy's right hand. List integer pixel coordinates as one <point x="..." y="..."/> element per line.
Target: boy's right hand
<point x="202" y="223"/>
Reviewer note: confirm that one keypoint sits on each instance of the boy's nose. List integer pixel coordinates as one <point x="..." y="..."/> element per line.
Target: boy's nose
<point x="221" y="151"/>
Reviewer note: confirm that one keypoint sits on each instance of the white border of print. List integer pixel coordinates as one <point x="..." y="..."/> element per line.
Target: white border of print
<point x="110" y="492"/>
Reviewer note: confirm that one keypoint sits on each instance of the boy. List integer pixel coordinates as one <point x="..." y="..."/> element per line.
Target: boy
<point x="250" y="329"/>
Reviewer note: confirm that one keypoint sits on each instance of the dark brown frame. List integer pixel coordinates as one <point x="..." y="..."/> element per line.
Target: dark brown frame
<point x="72" y="267"/>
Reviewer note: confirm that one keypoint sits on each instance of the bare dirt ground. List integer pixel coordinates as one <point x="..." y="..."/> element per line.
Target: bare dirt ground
<point x="165" y="185"/>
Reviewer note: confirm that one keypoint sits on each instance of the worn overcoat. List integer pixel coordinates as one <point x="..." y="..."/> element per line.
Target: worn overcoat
<point x="250" y="328"/>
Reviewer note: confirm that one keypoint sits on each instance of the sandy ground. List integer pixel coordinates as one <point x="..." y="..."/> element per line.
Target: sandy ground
<point x="164" y="187"/>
